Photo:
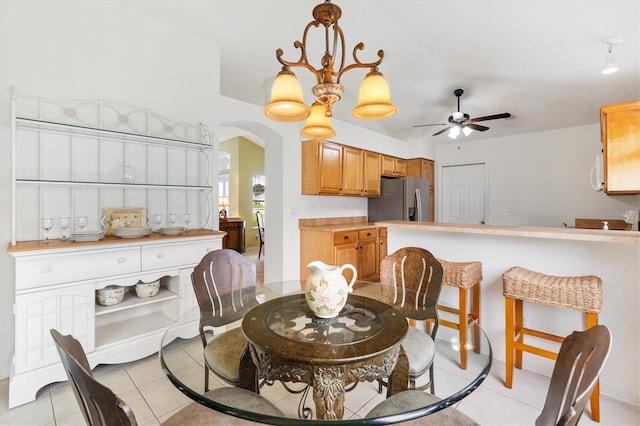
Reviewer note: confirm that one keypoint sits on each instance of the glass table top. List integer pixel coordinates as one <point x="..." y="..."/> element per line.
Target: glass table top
<point x="183" y="361"/>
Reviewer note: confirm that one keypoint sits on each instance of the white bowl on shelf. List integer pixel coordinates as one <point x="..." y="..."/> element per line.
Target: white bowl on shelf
<point x="147" y="289"/>
<point x="110" y="295"/>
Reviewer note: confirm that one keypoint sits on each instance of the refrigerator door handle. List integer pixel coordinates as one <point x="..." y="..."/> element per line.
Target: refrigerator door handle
<point x="418" y="205"/>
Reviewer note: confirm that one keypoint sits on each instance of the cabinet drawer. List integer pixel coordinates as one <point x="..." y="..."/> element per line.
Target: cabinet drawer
<point x="172" y="255"/>
<point x="36" y="271"/>
<point x="367" y="234"/>
<point x="345" y="237"/>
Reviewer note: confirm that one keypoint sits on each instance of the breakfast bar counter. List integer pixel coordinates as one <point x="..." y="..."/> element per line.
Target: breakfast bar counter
<point x="614" y="256"/>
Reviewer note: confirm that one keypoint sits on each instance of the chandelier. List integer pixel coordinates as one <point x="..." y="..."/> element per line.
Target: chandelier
<point x="287" y="102"/>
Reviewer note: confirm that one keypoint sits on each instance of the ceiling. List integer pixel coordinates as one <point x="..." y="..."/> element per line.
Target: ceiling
<point x="539" y="60"/>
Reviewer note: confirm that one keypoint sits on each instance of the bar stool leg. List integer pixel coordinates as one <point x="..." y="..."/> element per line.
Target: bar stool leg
<point x="463" y="321"/>
<point x="518" y="333"/>
<point x="509" y="338"/>
<point x="475" y="313"/>
<point x="592" y="319"/>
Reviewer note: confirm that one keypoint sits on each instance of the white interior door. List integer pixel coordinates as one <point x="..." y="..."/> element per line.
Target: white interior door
<point x="463" y="193"/>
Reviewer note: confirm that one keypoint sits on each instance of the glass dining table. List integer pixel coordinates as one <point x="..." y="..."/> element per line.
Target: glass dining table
<point x="339" y="362"/>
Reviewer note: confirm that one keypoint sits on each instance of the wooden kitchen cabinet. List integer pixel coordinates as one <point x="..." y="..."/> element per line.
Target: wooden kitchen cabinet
<point x="321" y="168"/>
<point x="333" y="169"/>
<point x="234" y="227"/>
<point x="361" y="247"/>
<point x="393" y="166"/>
<point x="620" y="133"/>
<point x="424" y="169"/>
<point x="371" y="171"/>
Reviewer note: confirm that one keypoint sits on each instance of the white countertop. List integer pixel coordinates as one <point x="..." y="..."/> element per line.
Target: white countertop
<point x="520" y="231"/>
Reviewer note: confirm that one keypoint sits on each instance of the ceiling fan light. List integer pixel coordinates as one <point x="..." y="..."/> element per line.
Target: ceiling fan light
<point x="374" y="98"/>
<point x="318" y="125"/>
<point x="467" y="130"/>
<point x="287" y="102"/>
<point x="454" y="132"/>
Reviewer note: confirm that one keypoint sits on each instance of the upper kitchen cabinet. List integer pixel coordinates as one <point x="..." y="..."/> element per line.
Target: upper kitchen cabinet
<point x="620" y="132"/>
<point x="333" y="169"/>
<point x="393" y="166"/>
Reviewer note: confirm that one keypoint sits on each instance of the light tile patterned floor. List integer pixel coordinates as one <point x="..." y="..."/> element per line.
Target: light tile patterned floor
<point x="153" y="399"/>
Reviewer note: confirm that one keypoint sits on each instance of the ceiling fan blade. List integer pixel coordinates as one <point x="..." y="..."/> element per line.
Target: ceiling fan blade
<point x="434" y="124"/>
<point x="476" y="127"/>
<point x="490" y="117"/>
<point x="442" y="131"/>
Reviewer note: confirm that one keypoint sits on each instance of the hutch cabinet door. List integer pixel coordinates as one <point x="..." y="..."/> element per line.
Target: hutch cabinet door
<point x="69" y="310"/>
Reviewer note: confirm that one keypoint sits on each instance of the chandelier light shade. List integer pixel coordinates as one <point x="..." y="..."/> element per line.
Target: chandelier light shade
<point x="318" y="125"/>
<point x="374" y="100"/>
<point x="454" y="132"/>
<point x="287" y="102"/>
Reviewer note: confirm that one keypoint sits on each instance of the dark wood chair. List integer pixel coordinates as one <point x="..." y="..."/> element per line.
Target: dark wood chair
<point x="100" y="406"/>
<point x="580" y="361"/>
<point x="224" y="283"/>
<point x="260" y="221"/>
<point x="413" y="279"/>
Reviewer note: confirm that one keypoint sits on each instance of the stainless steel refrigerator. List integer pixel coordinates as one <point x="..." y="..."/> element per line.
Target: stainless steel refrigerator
<point x="401" y="199"/>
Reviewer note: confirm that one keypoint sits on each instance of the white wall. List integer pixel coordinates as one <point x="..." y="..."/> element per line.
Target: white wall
<point x="540" y="179"/>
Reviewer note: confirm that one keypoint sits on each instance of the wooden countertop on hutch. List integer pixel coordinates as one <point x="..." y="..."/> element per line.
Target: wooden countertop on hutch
<point x="108" y="240"/>
<point x="520" y="231"/>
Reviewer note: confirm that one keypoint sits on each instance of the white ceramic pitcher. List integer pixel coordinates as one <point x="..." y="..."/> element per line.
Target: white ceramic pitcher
<point x="327" y="289"/>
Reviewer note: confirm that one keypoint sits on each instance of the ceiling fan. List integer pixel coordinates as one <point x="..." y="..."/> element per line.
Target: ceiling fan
<point x="461" y="122"/>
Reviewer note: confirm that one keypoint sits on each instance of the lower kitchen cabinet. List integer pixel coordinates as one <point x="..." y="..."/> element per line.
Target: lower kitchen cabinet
<point x="55" y="287"/>
<point x="363" y="247"/>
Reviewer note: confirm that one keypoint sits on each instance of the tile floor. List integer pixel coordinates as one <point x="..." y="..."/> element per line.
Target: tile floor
<point x="153" y="399"/>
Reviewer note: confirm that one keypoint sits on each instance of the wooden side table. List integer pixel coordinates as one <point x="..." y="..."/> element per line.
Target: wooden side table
<point x="234" y="227"/>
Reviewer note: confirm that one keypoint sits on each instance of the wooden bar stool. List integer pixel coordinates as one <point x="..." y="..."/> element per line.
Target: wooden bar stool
<point x="578" y="293"/>
<point x="465" y="276"/>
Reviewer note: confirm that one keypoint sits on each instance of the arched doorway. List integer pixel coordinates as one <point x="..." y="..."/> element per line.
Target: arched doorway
<point x="272" y="142"/>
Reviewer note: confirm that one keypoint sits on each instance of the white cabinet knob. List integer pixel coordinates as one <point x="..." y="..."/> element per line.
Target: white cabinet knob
<point x="46" y="269"/>
<point x="121" y="260"/>
<point x="160" y="255"/>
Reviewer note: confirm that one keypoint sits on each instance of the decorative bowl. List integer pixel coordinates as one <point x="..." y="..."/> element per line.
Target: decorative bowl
<point x="147" y="289"/>
<point x="110" y="295"/>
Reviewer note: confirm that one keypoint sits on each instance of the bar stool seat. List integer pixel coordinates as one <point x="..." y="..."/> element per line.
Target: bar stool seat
<point x="465" y="276"/>
<point x="580" y="293"/>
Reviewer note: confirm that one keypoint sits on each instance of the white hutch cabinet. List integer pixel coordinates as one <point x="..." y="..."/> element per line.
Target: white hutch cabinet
<point x="69" y="159"/>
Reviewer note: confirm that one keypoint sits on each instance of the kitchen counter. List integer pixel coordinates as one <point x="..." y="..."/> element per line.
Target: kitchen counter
<point x="521" y="231"/>
<point x="614" y="256"/>
<point x="337" y="227"/>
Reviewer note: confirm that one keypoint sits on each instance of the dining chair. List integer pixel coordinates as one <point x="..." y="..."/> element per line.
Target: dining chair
<point x="580" y="361"/>
<point x="224" y="283"/>
<point x="100" y="406"/>
<point x="412" y="279"/>
<point x="260" y="221"/>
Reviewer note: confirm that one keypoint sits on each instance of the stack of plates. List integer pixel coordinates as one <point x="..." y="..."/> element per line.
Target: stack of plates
<point x="131" y="232"/>
<point x="87" y="236"/>
<point x="173" y="230"/>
